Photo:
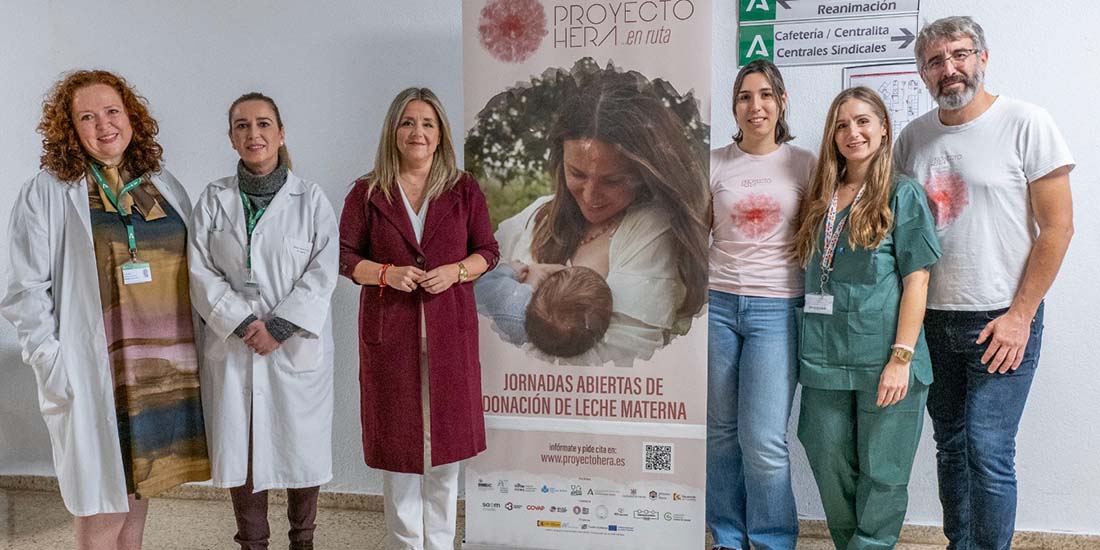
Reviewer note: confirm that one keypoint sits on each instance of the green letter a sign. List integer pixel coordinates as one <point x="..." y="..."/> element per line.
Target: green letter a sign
<point x="755" y="42"/>
<point x="756" y="10"/>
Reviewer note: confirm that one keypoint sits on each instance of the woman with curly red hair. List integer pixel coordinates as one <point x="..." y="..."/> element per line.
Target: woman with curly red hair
<point x="98" y="293"/>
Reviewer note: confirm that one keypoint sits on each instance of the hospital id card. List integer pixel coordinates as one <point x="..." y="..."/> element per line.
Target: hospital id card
<point x="251" y="285"/>
<point x="136" y="272"/>
<point x="820" y="304"/>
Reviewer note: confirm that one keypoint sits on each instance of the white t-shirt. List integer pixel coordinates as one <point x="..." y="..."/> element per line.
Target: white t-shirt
<point x="976" y="176"/>
<point x="417" y="219"/>
<point x="756" y="202"/>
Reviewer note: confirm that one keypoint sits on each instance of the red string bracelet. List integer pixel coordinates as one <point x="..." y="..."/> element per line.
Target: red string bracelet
<point x="382" y="277"/>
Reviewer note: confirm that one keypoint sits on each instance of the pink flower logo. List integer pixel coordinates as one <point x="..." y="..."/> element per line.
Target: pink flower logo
<point x="757" y="216"/>
<point x="511" y="30"/>
<point x="947" y="197"/>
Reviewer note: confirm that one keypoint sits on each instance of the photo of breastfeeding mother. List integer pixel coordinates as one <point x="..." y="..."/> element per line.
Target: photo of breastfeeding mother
<point x="626" y="196"/>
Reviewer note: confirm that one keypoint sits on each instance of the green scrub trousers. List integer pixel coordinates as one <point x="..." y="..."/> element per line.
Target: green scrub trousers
<point x="861" y="456"/>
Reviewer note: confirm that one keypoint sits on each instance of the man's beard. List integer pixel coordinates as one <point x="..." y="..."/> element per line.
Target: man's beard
<point x="953" y="101"/>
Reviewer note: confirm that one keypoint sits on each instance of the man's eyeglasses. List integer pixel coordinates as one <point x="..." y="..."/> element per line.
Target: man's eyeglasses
<point x="958" y="57"/>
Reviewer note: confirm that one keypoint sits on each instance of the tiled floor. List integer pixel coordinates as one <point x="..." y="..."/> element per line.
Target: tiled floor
<point x="37" y="520"/>
<point x="32" y="520"/>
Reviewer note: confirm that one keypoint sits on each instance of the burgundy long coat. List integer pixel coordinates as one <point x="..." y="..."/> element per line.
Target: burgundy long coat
<point x="373" y="228"/>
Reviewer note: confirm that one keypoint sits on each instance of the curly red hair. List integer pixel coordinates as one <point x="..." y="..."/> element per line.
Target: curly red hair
<point x="62" y="153"/>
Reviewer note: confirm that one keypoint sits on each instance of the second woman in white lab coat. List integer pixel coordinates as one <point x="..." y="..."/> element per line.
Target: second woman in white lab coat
<point x="263" y="262"/>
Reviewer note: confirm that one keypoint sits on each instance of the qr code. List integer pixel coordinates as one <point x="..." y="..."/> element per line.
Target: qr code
<point x="658" y="457"/>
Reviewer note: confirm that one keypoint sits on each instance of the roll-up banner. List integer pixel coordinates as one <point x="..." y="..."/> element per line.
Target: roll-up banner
<point x="587" y="125"/>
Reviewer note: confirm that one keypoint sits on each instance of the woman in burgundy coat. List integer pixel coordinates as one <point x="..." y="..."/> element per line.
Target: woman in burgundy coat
<point x="414" y="233"/>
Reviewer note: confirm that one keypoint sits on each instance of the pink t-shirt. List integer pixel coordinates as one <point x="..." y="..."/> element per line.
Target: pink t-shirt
<point x="756" y="201"/>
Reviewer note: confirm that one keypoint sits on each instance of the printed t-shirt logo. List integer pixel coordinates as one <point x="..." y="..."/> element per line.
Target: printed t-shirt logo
<point x="948" y="196"/>
<point x="757" y="215"/>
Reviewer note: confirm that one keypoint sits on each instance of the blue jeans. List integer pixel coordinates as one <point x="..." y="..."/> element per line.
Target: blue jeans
<point x="752" y="371"/>
<point x="975" y="417"/>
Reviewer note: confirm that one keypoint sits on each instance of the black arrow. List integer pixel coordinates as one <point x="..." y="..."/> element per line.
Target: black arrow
<point x="905" y="40"/>
<point x="785" y="3"/>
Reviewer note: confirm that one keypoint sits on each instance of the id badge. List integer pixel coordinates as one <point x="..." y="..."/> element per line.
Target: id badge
<point x="251" y="286"/>
<point x="134" y="272"/>
<point x="820" y="304"/>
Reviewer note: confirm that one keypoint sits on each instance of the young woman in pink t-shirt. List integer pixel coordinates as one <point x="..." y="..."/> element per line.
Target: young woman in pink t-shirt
<point x="757" y="183"/>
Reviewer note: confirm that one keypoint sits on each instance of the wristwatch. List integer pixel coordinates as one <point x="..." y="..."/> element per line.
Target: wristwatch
<point x="462" y="273"/>
<point x="902" y="354"/>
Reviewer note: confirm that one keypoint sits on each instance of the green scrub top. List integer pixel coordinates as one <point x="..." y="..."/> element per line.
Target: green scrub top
<point x="848" y="349"/>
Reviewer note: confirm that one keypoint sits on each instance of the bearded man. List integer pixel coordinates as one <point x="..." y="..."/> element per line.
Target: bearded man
<point x="996" y="171"/>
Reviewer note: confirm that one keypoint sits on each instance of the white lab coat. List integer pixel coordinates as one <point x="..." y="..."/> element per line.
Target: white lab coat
<point x="295" y="250"/>
<point x="52" y="298"/>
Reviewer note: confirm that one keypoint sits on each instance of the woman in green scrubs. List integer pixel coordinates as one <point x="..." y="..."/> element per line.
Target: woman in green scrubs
<point x="867" y="239"/>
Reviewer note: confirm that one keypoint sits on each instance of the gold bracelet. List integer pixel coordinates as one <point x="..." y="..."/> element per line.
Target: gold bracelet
<point x="902" y="354"/>
<point x="462" y="273"/>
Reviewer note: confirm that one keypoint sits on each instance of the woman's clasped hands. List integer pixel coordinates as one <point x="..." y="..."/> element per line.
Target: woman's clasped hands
<point x="404" y="278"/>
<point x="259" y="339"/>
<point x="408" y="278"/>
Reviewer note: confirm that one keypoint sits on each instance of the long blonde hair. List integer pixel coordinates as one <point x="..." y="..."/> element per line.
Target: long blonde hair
<point x="444" y="173"/>
<point x="870" y="218"/>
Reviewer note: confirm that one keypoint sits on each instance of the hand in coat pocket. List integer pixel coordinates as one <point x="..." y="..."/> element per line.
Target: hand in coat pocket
<point x="55" y="393"/>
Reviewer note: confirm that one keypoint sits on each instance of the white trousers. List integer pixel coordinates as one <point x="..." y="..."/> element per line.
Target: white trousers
<point x="421" y="510"/>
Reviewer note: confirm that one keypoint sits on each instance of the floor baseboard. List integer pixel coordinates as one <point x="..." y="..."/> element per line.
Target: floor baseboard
<point x="809" y="528"/>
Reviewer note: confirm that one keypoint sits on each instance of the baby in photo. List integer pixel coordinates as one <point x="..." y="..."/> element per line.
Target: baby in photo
<point x="563" y="311"/>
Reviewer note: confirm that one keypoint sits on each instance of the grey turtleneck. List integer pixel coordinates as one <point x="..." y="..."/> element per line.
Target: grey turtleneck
<point x="261" y="190"/>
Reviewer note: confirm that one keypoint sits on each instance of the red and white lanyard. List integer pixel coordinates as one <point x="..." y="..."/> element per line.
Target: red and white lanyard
<point x="833" y="229"/>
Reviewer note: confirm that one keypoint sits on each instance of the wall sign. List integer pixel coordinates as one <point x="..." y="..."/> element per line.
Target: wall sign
<point x="823" y="32"/>
<point x="884" y="38"/>
<point x="756" y="11"/>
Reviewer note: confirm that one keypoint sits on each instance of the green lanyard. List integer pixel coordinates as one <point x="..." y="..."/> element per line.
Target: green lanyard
<point x="252" y="218"/>
<point x="115" y="202"/>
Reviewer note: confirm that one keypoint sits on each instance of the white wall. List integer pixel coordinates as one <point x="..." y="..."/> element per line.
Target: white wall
<point x="333" y="66"/>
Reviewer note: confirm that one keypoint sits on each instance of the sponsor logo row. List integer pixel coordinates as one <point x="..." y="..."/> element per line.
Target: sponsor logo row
<point x="612" y="528"/>
<point x="504" y="487"/>
<point x="586" y="512"/>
